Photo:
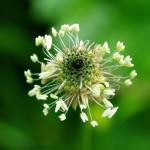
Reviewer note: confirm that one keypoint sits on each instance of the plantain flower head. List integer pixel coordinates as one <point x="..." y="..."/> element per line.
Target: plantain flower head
<point x="78" y="73"/>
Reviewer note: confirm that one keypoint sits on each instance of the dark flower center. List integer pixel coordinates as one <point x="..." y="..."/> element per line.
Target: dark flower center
<point x="77" y="66"/>
<point x="77" y="63"/>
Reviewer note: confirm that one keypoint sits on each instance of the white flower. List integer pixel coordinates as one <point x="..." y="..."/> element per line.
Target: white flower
<point x="133" y="74"/>
<point x="28" y="76"/>
<point x="62" y="117"/>
<point x="129" y="64"/>
<point x="109" y="92"/>
<point x="104" y="48"/>
<point x="107" y="103"/>
<point x="77" y="73"/>
<point x="61" y="33"/>
<point x="46" y="106"/>
<point x="120" y="46"/>
<point x="61" y="104"/>
<point x="34" y="58"/>
<point x="109" y="112"/>
<point x="84" y="117"/>
<point x="74" y="27"/>
<point x="106" y="112"/>
<point x="120" y="57"/>
<point x="27" y="73"/>
<point x="65" y="27"/>
<point x="113" y="112"/>
<point x="127" y="59"/>
<point x="45" y="110"/>
<point x="37" y="87"/>
<point x="121" y="62"/>
<point x="53" y="96"/>
<point x="96" y="90"/>
<point x="58" y="105"/>
<point x="47" y="42"/>
<point x="54" y="32"/>
<point x="115" y="55"/>
<point x="82" y="106"/>
<point x="94" y="123"/>
<point x="29" y="80"/>
<point x="47" y="74"/>
<point x="38" y="40"/>
<point x="34" y="91"/>
<point x="128" y="82"/>
<point x="41" y="96"/>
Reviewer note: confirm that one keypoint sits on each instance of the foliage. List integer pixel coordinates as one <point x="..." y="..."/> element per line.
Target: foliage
<point x="22" y="125"/>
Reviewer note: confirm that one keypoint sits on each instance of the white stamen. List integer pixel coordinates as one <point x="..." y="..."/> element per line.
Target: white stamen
<point x="41" y="96"/>
<point x="107" y="103"/>
<point x="53" y="96"/>
<point x="120" y="46"/>
<point x="62" y="117"/>
<point x="128" y="82"/>
<point x="54" y="32"/>
<point x="62" y="84"/>
<point x="84" y="117"/>
<point x="94" y="123"/>
<point x="133" y="74"/>
<point x="34" y="58"/>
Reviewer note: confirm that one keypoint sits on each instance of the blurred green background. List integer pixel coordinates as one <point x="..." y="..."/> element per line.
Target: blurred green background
<point x="22" y="123"/>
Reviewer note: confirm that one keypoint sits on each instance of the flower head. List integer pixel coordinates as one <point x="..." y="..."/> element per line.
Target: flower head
<point x="77" y="74"/>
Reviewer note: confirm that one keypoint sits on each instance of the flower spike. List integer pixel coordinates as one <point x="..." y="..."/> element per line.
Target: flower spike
<point x="78" y="74"/>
